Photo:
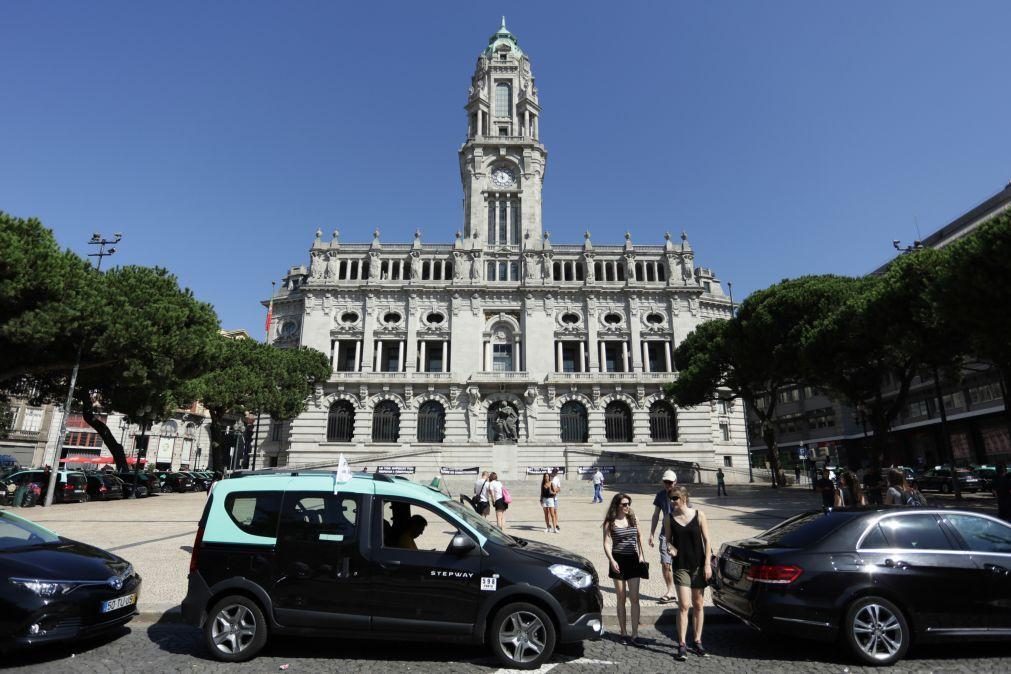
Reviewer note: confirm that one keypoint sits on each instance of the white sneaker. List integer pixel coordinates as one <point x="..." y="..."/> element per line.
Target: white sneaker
<point x="547" y="530"/>
<point x="556" y="530"/>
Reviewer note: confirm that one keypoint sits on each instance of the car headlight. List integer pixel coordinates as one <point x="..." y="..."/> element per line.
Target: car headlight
<point x="575" y="577"/>
<point x="45" y="588"/>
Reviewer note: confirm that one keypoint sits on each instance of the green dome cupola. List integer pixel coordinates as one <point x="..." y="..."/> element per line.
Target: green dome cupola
<point x="503" y="37"/>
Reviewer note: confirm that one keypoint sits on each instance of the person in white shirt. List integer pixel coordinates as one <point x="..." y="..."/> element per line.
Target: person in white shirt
<point x="598" y="487"/>
<point x="556" y="487"/>
<point x="494" y="495"/>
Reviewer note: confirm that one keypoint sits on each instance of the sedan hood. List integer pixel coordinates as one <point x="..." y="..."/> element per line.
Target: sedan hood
<point x="543" y="552"/>
<point x="66" y="560"/>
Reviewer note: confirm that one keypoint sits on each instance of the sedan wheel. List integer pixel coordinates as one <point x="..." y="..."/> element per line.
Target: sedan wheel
<point x="876" y="631"/>
<point x="945" y="488"/>
<point x="522" y="636"/>
<point x="236" y="629"/>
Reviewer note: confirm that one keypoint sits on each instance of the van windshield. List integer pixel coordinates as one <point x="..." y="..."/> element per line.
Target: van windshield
<point x="477" y="522"/>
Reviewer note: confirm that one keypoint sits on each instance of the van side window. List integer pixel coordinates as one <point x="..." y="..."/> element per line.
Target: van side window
<point x="255" y="512"/>
<point x="409" y="526"/>
<point x="320" y="516"/>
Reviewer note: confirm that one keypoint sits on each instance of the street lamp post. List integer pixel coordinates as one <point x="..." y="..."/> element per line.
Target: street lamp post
<point x="100" y="241"/>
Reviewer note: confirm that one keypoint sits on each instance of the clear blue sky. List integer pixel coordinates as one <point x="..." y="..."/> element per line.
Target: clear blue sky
<point x="786" y="138"/>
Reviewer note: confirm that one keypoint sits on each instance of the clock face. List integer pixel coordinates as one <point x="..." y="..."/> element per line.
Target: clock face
<point x="503" y="177"/>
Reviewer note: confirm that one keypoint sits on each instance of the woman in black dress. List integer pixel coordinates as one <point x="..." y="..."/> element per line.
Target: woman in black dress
<point x="687" y="533"/>
<point x="623" y="547"/>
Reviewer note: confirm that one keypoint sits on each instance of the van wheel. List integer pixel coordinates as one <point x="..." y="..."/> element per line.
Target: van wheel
<point x="876" y="631"/>
<point x="522" y="636"/>
<point x="85" y="498"/>
<point x="236" y="629"/>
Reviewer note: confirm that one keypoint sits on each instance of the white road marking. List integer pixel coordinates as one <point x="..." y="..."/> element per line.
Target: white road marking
<point x="543" y="669"/>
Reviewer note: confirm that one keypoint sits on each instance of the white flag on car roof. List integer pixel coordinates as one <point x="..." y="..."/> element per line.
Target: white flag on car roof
<point x="343" y="473"/>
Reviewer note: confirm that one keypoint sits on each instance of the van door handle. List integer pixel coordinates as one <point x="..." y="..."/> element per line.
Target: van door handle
<point x="389" y="564"/>
<point x="896" y="564"/>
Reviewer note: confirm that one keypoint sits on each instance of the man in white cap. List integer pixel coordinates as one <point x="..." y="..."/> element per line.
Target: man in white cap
<point x="662" y="507"/>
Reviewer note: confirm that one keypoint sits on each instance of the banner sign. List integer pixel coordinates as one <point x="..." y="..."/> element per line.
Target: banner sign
<point x="588" y="470"/>
<point x="459" y="471"/>
<point x="535" y="470"/>
<point x="395" y="470"/>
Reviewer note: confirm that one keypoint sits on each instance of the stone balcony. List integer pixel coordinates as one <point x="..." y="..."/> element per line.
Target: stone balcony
<point x="610" y="377"/>
<point x="20" y="436"/>
<point x="396" y="377"/>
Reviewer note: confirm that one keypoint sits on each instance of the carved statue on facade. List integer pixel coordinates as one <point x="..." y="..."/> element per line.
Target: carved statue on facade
<point x="317" y="266"/>
<point x="505" y="422"/>
<point x="475" y="267"/>
<point x="416" y="266"/>
<point x="332" y="265"/>
<point x="374" y="265"/>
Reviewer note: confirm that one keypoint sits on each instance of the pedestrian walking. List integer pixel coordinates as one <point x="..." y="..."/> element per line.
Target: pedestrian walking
<point x="497" y="497"/>
<point x="598" y="486"/>
<point x="687" y="532"/>
<point x="721" y="482"/>
<point x="661" y="510"/>
<point x="826" y="486"/>
<point x="556" y="485"/>
<point x="623" y="547"/>
<point x="796" y="474"/>
<point x="849" y="493"/>
<point x="548" y="504"/>
<point x="483" y="495"/>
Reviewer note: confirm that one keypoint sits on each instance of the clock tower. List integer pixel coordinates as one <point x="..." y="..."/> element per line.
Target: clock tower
<point x="502" y="163"/>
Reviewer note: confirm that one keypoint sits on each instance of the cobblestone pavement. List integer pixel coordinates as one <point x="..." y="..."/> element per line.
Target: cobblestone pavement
<point x="734" y="648"/>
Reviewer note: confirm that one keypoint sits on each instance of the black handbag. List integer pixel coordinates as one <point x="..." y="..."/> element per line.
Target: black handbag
<point x="643" y="570"/>
<point x="714" y="578"/>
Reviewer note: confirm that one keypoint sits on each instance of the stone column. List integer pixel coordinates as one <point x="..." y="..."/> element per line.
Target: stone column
<point x="367" y="345"/>
<point x="516" y="357"/>
<point x="645" y="357"/>
<point x="445" y="356"/>
<point x="400" y="356"/>
<point x="358" y="355"/>
<point x="667" y="355"/>
<point x="624" y="355"/>
<point x="558" y="362"/>
<point x="335" y="355"/>
<point x="603" y="357"/>
<point x="379" y="356"/>
<point x="422" y="367"/>
<point x="487" y="356"/>
<point x="412" y="336"/>
<point x="582" y="357"/>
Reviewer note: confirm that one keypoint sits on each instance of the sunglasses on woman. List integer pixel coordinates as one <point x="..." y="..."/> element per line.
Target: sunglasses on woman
<point x="625" y="504"/>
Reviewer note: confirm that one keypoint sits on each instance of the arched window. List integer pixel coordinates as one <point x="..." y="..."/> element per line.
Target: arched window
<point x="573" y="422"/>
<point x="340" y="423"/>
<point x="503" y="100"/>
<point x="431" y="422"/>
<point x="618" y="422"/>
<point x="663" y="424"/>
<point x="386" y="422"/>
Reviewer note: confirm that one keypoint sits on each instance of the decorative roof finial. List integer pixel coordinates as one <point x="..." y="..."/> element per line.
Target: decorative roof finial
<point x="503" y="24"/>
<point x="417" y="233"/>
<point x="319" y="232"/>
<point x="684" y="236"/>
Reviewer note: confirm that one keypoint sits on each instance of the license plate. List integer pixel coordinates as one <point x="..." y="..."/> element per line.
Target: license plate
<point x="119" y="602"/>
<point x="732" y="569"/>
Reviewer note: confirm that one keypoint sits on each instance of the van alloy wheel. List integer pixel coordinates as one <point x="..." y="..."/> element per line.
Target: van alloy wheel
<point x="522" y="635"/>
<point x="236" y="629"/>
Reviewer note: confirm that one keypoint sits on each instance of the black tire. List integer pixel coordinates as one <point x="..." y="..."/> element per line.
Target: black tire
<point x="85" y="498"/>
<point x="876" y="631"/>
<point x="235" y="630"/>
<point x="522" y="636"/>
<point x="945" y="488"/>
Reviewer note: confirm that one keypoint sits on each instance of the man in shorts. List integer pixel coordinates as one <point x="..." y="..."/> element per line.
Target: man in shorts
<point x="661" y="511"/>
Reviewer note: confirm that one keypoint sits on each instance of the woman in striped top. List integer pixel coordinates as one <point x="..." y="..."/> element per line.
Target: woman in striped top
<point x="623" y="547"/>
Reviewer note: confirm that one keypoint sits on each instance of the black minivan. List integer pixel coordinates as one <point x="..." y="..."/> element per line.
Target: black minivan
<point x="377" y="557"/>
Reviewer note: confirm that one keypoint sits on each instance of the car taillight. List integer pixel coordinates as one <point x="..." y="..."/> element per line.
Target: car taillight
<point x="103" y="488"/>
<point x="68" y="487"/>
<point x="779" y="574"/>
<point x="197" y="542"/>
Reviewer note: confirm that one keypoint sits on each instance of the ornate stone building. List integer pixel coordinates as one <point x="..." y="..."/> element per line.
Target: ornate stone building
<point x="502" y="349"/>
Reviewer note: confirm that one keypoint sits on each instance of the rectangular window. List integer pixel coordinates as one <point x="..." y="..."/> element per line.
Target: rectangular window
<point x="275" y="430"/>
<point x="255" y="513"/>
<point x="32" y="420"/>
<point x="570" y="357"/>
<point x="954" y="401"/>
<point x="503" y="232"/>
<point x="613" y="358"/>
<point x="917" y="408"/>
<point x="984" y="394"/>
<point x="503" y="99"/>
<point x="316" y="518"/>
<point x="502" y="357"/>
<point x="728" y="462"/>
<point x="433" y="357"/>
<point x="725" y="431"/>
<point x="657" y="352"/>
<point x="724" y="406"/>
<point x="346" y="355"/>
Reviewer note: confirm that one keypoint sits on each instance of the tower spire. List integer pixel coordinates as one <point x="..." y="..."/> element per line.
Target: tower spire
<point x="504" y="29"/>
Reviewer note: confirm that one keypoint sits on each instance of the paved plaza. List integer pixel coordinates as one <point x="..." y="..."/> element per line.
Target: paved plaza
<point x="155" y="534"/>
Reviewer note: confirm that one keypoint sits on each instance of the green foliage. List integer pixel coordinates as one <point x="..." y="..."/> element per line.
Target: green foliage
<point x="248" y="376"/>
<point x="757" y="352"/>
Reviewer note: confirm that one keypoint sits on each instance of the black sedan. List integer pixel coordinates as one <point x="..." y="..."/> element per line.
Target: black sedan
<point x="104" y="487"/>
<point x="879" y="578"/>
<point x="57" y="589"/>
<point x="939" y="479"/>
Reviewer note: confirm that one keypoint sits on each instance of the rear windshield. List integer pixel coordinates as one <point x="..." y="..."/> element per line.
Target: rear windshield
<point x="803" y="530"/>
<point x="77" y="479"/>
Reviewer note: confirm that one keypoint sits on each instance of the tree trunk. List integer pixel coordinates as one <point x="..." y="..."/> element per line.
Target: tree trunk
<point x="769" y="435"/>
<point x="115" y="448"/>
<point x="219" y="442"/>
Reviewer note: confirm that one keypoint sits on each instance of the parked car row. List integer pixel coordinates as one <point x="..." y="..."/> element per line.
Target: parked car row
<point x="25" y="488"/>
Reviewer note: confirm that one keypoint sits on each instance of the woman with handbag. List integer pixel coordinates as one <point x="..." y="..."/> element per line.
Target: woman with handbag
<point x="687" y="534"/>
<point x="496" y="494"/>
<point x="623" y="547"/>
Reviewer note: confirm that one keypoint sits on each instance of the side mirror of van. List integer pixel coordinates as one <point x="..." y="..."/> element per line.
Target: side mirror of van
<point x="461" y="545"/>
